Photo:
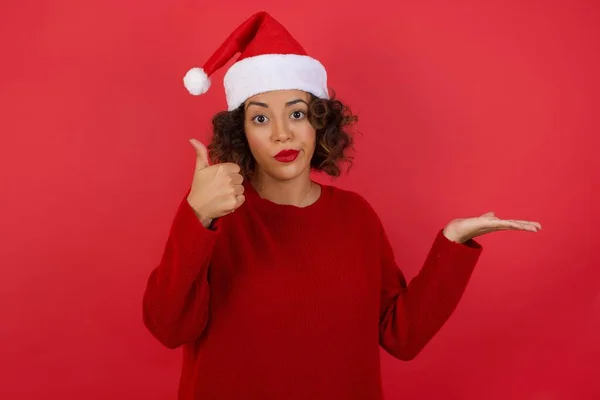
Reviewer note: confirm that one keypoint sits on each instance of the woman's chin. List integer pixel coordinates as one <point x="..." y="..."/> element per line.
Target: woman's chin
<point x="285" y="172"/>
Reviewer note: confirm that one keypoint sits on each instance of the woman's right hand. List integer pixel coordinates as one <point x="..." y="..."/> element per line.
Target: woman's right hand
<point x="216" y="189"/>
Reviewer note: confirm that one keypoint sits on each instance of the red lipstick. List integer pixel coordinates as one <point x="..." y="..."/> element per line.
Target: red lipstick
<point x="287" y="155"/>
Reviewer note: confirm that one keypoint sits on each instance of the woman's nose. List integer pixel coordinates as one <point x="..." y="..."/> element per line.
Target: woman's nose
<point x="281" y="132"/>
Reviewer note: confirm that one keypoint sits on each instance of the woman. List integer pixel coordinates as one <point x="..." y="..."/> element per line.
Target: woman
<point x="275" y="286"/>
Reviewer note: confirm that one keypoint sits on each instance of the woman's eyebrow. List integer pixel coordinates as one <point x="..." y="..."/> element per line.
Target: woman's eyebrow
<point x="257" y="103"/>
<point x="289" y="103"/>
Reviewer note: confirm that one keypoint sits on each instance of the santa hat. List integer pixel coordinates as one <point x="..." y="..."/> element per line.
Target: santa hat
<point x="270" y="59"/>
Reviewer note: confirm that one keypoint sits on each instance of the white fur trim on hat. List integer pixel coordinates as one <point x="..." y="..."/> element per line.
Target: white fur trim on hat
<point x="267" y="72"/>
<point x="196" y="81"/>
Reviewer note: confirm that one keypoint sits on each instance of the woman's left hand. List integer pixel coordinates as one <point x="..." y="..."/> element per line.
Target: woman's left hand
<point x="461" y="230"/>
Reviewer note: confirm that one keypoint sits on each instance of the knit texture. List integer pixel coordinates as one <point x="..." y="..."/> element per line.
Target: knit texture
<point x="281" y="302"/>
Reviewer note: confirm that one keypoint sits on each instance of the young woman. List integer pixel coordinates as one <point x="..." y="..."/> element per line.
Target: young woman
<point x="278" y="287"/>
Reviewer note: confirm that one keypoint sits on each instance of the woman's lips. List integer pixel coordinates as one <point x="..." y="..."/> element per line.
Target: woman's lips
<point x="287" y="155"/>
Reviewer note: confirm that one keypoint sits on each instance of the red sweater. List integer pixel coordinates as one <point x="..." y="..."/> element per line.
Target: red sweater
<point x="280" y="302"/>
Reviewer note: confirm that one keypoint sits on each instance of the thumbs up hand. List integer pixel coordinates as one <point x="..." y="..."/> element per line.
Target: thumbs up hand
<point x="216" y="189"/>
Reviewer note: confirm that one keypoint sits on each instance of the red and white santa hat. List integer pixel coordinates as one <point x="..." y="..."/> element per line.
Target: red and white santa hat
<point x="270" y="59"/>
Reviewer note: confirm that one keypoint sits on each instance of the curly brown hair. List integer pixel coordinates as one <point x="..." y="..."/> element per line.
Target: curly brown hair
<point x="329" y="117"/>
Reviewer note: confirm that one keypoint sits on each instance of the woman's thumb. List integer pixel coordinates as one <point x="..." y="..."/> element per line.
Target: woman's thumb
<point x="201" y="154"/>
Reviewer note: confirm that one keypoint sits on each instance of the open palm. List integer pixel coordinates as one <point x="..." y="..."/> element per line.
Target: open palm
<point x="463" y="229"/>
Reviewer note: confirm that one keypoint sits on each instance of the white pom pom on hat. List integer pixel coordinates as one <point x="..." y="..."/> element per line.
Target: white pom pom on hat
<point x="196" y="81"/>
<point x="270" y="59"/>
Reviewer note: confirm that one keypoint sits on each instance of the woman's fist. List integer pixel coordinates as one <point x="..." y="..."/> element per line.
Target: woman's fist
<point x="216" y="189"/>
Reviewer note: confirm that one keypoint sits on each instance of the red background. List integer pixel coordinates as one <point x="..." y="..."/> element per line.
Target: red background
<point x="464" y="108"/>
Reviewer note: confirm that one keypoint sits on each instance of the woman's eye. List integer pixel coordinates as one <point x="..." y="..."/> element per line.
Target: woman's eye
<point x="298" y="114"/>
<point x="260" y="119"/>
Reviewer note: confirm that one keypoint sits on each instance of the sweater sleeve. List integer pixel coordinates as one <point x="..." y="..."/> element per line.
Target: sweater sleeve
<point x="175" y="302"/>
<point x="411" y="314"/>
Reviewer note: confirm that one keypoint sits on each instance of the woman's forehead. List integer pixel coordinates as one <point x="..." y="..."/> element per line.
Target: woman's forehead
<point x="279" y="96"/>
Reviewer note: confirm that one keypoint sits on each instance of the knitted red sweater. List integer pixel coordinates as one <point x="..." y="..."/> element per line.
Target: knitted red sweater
<point x="281" y="302"/>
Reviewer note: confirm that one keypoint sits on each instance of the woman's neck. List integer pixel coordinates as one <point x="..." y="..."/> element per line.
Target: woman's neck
<point x="299" y="192"/>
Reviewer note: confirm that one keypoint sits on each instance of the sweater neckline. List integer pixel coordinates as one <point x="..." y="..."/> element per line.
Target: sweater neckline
<point x="269" y="206"/>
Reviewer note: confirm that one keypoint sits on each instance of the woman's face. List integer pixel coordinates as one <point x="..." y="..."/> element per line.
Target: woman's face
<point x="281" y="139"/>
